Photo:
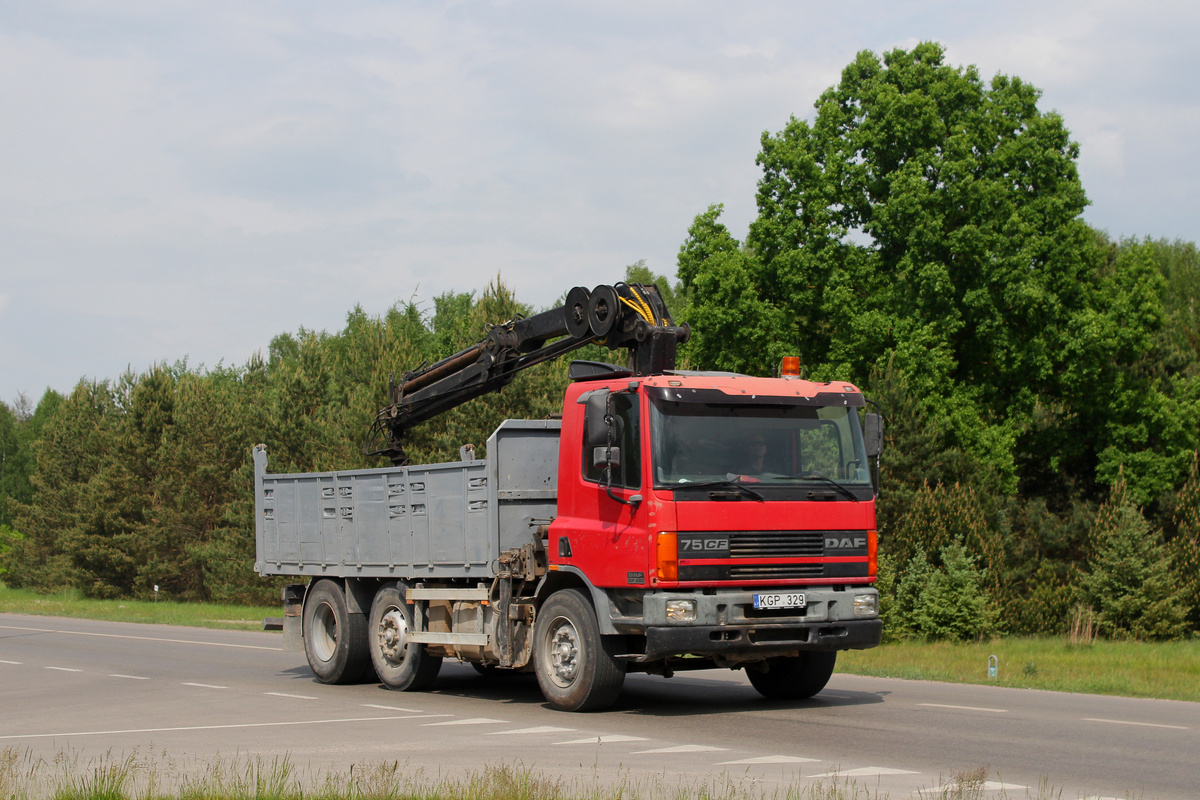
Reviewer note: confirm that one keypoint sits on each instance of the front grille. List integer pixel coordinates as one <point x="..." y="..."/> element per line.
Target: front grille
<point x="776" y="544"/>
<point x="779" y="571"/>
<point x="732" y="549"/>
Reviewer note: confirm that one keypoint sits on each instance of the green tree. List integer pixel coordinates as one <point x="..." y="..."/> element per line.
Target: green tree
<point x="13" y="473"/>
<point x="929" y="221"/>
<point x="1129" y="582"/>
<point x="1184" y="547"/>
<point x="947" y="601"/>
<point x="734" y="326"/>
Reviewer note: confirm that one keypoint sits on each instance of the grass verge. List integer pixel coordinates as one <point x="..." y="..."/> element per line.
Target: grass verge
<point x="72" y="604"/>
<point x="134" y="777"/>
<point x="1165" y="670"/>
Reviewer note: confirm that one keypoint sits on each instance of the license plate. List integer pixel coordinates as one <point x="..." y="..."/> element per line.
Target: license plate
<point x="780" y="600"/>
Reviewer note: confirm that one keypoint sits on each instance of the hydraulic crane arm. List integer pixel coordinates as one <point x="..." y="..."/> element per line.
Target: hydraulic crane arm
<point x="632" y="316"/>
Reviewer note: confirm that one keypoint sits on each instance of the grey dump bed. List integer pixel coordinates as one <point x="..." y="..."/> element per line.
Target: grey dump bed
<point x="430" y="521"/>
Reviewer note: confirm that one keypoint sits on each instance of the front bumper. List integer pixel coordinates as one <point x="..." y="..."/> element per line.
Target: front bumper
<point x="765" y="639"/>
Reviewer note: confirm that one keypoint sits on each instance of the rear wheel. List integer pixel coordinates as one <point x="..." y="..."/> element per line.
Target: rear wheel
<point x="792" y="677"/>
<point x="335" y="641"/>
<point x="401" y="664"/>
<point x="574" y="664"/>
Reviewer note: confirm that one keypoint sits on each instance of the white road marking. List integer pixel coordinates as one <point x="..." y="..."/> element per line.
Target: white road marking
<point x="213" y="727"/>
<point x="682" y="748"/>
<point x="64" y="669"/>
<point x="471" y="721"/>
<point x="392" y="708"/>
<point x="772" y="760"/>
<point x="10" y="662"/>
<point x="205" y="685"/>
<point x="1140" y="724"/>
<point x="966" y="708"/>
<point x="292" y="696"/>
<point x="863" y="772"/>
<point x="140" y="638"/>
<point x="610" y="738"/>
<point x="988" y="786"/>
<point x="130" y="677"/>
<point x="530" y="731"/>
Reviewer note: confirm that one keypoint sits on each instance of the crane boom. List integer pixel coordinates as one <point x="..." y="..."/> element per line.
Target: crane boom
<point x="630" y="316"/>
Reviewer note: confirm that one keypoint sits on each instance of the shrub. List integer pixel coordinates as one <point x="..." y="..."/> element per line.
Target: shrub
<point x="945" y="602"/>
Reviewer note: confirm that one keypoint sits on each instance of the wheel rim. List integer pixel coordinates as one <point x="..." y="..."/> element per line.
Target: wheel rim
<point x="562" y="649"/>
<point x="393" y="636"/>
<point x="324" y="632"/>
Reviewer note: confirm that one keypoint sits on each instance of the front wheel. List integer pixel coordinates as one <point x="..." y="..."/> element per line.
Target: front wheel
<point x="792" y="677"/>
<point x="335" y="641"/>
<point x="574" y="664"/>
<point x="401" y="665"/>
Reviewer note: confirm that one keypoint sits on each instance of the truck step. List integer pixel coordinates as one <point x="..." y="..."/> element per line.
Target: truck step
<point x="425" y="637"/>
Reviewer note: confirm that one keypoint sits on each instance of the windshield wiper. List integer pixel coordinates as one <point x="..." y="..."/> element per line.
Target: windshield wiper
<point x="728" y="482"/>
<point x="815" y="476"/>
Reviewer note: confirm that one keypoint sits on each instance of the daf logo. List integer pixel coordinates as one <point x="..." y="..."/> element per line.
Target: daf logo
<point x="845" y="542"/>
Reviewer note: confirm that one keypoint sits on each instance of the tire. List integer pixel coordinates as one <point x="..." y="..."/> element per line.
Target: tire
<point x="574" y="664"/>
<point x="335" y="641"/>
<point x="793" y="677"/>
<point x="401" y="665"/>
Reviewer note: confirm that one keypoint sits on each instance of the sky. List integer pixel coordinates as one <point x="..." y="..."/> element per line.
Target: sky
<point x="187" y="180"/>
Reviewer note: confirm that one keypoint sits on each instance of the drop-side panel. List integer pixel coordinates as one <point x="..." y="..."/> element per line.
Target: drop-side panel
<point x="430" y="521"/>
<point x="448" y="521"/>
<point x="403" y="522"/>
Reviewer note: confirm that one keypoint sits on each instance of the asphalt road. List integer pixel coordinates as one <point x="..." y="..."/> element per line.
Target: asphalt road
<point x="190" y="696"/>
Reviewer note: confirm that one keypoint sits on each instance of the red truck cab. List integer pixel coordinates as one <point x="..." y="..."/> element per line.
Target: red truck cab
<point x="719" y="519"/>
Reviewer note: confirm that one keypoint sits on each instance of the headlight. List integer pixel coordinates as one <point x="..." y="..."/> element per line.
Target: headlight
<point x="681" y="611"/>
<point x="866" y="605"/>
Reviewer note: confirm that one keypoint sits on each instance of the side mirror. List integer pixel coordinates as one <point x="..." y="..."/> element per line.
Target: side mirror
<point x="595" y="428"/>
<point x="606" y="457"/>
<point x="873" y="435"/>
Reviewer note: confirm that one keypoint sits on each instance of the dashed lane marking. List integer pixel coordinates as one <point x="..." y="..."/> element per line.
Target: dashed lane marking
<point x="292" y="696"/>
<point x="139" y="638"/>
<point x="204" y="685"/>
<point x="531" y="731"/>
<point x="471" y="721"/>
<point x="608" y="739"/>
<point x="1139" y="724"/>
<point x="965" y="708"/>
<point x="682" y="748"/>
<point x="130" y="677"/>
<point x="392" y="708"/>
<point x="772" y="760"/>
<point x="216" y="727"/>
<point x="863" y="772"/>
<point x="9" y="662"/>
<point x="64" y="669"/>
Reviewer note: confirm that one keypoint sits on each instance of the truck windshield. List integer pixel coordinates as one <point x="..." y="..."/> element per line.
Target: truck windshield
<point x="764" y="445"/>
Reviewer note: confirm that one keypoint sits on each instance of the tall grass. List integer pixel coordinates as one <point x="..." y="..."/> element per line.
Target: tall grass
<point x="136" y="777"/>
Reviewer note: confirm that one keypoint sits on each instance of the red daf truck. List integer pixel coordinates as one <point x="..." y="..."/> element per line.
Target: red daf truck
<point x="670" y="520"/>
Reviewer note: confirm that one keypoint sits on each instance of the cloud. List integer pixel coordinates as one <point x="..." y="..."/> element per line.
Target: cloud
<point x="194" y="178"/>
